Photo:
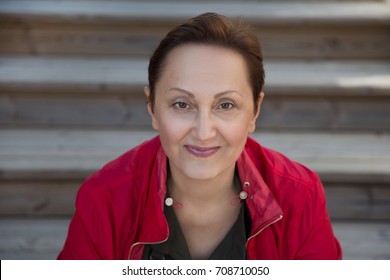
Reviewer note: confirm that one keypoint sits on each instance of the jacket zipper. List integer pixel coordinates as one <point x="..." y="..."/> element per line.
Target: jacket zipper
<point x="263" y="228"/>
<point x="144" y="243"/>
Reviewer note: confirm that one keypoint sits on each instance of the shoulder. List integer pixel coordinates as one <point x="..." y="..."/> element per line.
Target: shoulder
<point x="125" y="169"/>
<point x="288" y="180"/>
<point x="305" y="229"/>
<point x="273" y="162"/>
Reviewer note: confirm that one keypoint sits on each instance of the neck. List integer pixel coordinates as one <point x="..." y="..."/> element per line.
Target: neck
<point x="201" y="192"/>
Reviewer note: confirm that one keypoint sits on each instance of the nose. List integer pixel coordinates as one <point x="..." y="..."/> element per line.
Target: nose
<point x="204" y="127"/>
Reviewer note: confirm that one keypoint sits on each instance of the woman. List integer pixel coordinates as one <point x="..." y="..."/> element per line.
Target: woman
<point x="203" y="189"/>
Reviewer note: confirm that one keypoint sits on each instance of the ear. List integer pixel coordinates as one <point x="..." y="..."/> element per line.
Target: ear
<point x="150" y="109"/>
<point x="252" y="125"/>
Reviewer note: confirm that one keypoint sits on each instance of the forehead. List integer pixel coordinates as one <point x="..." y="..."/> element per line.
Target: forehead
<point x="199" y="67"/>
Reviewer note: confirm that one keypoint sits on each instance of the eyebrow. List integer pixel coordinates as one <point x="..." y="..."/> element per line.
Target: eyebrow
<point x="190" y="94"/>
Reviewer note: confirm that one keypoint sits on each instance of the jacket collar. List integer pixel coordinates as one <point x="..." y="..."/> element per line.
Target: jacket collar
<point x="262" y="205"/>
<point x="154" y="227"/>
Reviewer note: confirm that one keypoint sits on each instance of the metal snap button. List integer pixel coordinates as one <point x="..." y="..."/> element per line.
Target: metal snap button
<point x="168" y="201"/>
<point x="243" y="194"/>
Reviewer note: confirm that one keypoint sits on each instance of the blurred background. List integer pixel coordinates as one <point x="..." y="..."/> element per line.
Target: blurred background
<point x="71" y="99"/>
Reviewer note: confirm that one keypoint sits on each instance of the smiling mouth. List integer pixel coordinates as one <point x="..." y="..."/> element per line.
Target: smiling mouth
<point x="201" y="152"/>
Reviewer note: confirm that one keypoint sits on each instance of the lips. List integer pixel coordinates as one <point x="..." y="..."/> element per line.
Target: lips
<point x="201" y="152"/>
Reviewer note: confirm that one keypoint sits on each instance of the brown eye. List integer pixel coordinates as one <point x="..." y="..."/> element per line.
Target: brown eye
<point x="181" y="105"/>
<point x="226" y="106"/>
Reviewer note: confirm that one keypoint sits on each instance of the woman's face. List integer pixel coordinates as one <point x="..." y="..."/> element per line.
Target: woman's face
<point x="203" y="110"/>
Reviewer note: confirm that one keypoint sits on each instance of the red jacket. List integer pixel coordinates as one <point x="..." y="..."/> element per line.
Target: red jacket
<point x="120" y="207"/>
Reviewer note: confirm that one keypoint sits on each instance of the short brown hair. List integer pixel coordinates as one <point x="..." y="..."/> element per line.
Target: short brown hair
<point x="211" y="29"/>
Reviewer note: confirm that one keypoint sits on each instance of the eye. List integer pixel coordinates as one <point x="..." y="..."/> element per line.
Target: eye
<point x="226" y="106"/>
<point x="181" y="105"/>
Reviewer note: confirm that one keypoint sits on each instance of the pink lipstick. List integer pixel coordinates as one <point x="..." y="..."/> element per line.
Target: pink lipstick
<point x="201" y="152"/>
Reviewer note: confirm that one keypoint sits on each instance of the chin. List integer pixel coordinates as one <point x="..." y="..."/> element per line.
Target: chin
<point x="204" y="172"/>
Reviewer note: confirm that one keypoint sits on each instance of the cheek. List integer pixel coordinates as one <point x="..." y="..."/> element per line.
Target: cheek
<point x="236" y="130"/>
<point x="235" y="137"/>
<point x="171" y="129"/>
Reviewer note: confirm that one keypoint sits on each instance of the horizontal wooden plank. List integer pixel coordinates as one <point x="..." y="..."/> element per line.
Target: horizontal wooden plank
<point x="41" y="170"/>
<point x="358" y="201"/>
<point x="72" y="74"/>
<point x="316" y="95"/>
<point x="288" y="30"/>
<point x="56" y="198"/>
<point x="326" y="113"/>
<point x="350" y="157"/>
<point x="84" y="110"/>
<point x="43" y="239"/>
<point x="32" y="238"/>
<point x="364" y="241"/>
<point x="140" y="40"/>
<point x="295" y="12"/>
<point x="128" y="111"/>
<point x="102" y="75"/>
<point x="34" y="198"/>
